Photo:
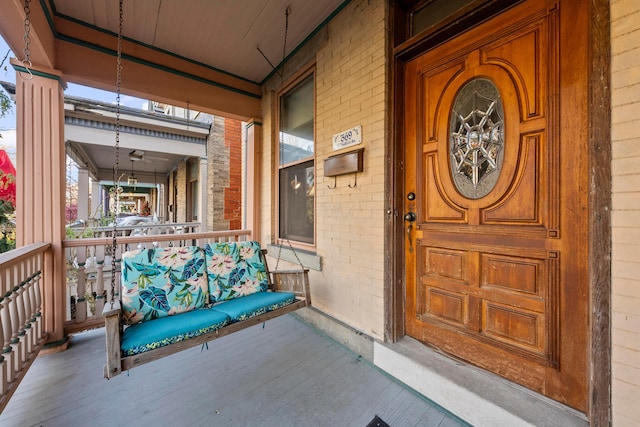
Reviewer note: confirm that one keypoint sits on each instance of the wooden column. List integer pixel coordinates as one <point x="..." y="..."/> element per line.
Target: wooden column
<point x="253" y="181"/>
<point x="40" y="203"/>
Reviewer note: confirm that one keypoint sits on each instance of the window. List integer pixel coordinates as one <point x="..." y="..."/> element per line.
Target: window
<point x="435" y="12"/>
<point x="296" y="163"/>
<point x="476" y="138"/>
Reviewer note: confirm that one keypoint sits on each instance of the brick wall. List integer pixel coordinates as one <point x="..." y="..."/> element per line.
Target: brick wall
<point x="351" y="85"/>
<point x="181" y="202"/>
<point x="625" y="79"/>
<point x="224" y="181"/>
<point x="232" y="192"/>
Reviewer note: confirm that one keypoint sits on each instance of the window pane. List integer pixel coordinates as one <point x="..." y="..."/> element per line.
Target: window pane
<point x="434" y="12"/>
<point x="194" y="200"/>
<point x="297" y="193"/>
<point x="193" y="172"/>
<point x="476" y="138"/>
<point x="297" y="123"/>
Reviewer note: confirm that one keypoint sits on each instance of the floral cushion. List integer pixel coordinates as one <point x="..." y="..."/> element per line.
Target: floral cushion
<point x="159" y="282"/>
<point x="234" y="269"/>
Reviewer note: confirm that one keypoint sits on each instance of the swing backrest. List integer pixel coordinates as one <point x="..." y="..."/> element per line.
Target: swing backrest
<point x="160" y="282"/>
<point x="235" y="269"/>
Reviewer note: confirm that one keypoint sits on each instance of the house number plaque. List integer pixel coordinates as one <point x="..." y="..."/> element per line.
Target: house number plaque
<point x="347" y="138"/>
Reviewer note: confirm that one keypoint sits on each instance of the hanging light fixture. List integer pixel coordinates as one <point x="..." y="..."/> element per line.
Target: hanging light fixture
<point x="295" y="183"/>
<point x="132" y="179"/>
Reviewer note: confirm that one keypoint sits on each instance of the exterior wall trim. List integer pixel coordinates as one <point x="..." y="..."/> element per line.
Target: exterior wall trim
<point x="600" y="205"/>
<point x="22" y="69"/>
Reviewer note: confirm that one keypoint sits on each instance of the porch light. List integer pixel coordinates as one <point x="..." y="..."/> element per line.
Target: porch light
<point x="132" y="179"/>
<point x="295" y="184"/>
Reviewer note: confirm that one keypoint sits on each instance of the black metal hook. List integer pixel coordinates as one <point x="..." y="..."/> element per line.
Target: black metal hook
<point x="335" y="184"/>
<point x="355" y="184"/>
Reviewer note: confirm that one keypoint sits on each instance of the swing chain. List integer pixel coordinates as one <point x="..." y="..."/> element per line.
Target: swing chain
<point x="26" y="62"/>
<point x="281" y="121"/>
<point x="114" y="242"/>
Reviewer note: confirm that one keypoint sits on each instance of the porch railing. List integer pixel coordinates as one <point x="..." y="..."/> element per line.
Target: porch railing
<point x="21" y="330"/>
<point x="89" y="268"/>
<point x="145" y="229"/>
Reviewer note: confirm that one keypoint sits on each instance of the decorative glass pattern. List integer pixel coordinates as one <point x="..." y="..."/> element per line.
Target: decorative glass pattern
<point x="477" y="138"/>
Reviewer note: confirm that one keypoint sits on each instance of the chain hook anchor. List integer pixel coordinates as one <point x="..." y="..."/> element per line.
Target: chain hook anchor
<point x="116" y="179"/>
<point x="26" y="62"/>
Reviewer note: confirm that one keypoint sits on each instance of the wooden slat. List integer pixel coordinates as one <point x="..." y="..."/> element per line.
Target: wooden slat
<point x="111" y="316"/>
<point x="285" y="374"/>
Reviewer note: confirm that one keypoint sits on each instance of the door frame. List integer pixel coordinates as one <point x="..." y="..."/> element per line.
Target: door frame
<point x="599" y="151"/>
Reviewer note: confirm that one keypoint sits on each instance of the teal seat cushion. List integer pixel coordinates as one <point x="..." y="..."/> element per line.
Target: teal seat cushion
<point x="252" y="305"/>
<point x="149" y="335"/>
<point x="160" y="282"/>
<point x="234" y="269"/>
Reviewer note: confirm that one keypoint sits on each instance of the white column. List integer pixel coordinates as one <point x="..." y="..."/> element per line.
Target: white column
<point x="95" y="207"/>
<point x="83" y="194"/>
<point x="203" y="193"/>
<point x="253" y="177"/>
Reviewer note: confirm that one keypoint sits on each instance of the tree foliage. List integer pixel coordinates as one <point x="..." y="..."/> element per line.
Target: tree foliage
<point x="5" y="101"/>
<point x="5" y="104"/>
<point x="7" y="187"/>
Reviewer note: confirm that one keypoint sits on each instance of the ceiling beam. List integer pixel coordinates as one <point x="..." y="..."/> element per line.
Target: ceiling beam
<point x="41" y="38"/>
<point x="95" y="68"/>
<point x="88" y="56"/>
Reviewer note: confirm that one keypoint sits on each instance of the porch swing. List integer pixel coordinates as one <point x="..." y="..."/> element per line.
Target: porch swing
<point x="175" y="298"/>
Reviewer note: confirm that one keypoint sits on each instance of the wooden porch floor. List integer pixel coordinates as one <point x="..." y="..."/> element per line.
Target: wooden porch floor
<point x="286" y="374"/>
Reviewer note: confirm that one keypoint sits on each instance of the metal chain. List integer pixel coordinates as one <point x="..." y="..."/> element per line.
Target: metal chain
<point x="26" y="62"/>
<point x="114" y="242"/>
<point x="281" y="124"/>
<point x="188" y="114"/>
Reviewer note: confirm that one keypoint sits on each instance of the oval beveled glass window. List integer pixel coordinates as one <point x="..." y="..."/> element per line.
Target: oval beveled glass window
<point x="476" y="138"/>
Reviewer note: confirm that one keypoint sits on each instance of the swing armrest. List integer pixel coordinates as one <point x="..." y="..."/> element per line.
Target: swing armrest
<point x="296" y="281"/>
<point x="109" y="310"/>
<point x="112" y="316"/>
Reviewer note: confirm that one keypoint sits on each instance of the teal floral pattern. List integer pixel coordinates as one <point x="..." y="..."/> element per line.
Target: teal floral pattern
<point x="265" y="309"/>
<point x="160" y="282"/>
<point x="234" y="270"/>
<point x="171" y="340"/>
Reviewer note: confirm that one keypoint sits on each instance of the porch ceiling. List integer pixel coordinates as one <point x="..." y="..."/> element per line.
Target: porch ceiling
<point x="198" y="54"/>
<point x="221" y="34"/>
<point x="201" y="52"/>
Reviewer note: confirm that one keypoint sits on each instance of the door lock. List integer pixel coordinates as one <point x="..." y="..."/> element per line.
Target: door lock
<point x="410" y="217"/>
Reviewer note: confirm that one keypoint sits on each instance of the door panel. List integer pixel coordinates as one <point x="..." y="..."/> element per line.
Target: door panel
<point x="489" y="270"/>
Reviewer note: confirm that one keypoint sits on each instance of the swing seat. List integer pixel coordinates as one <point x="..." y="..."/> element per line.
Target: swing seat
<point x="176" y="298"/>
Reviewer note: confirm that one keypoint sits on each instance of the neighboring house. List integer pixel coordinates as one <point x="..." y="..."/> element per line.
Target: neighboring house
<point x="225" y="146"/>
<point x="492" y="216"/>
<point x="164" y="159"/>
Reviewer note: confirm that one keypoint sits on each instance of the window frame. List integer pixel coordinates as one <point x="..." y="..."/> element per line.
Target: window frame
<point x="284" y="90"/>
<point x="192" y="175"/>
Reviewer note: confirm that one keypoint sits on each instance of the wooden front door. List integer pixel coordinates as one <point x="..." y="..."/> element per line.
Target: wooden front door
<point x="495" y="174"/>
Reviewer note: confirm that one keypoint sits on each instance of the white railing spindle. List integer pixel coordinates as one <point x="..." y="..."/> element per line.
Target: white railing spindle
<point x="21" y="332"/>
